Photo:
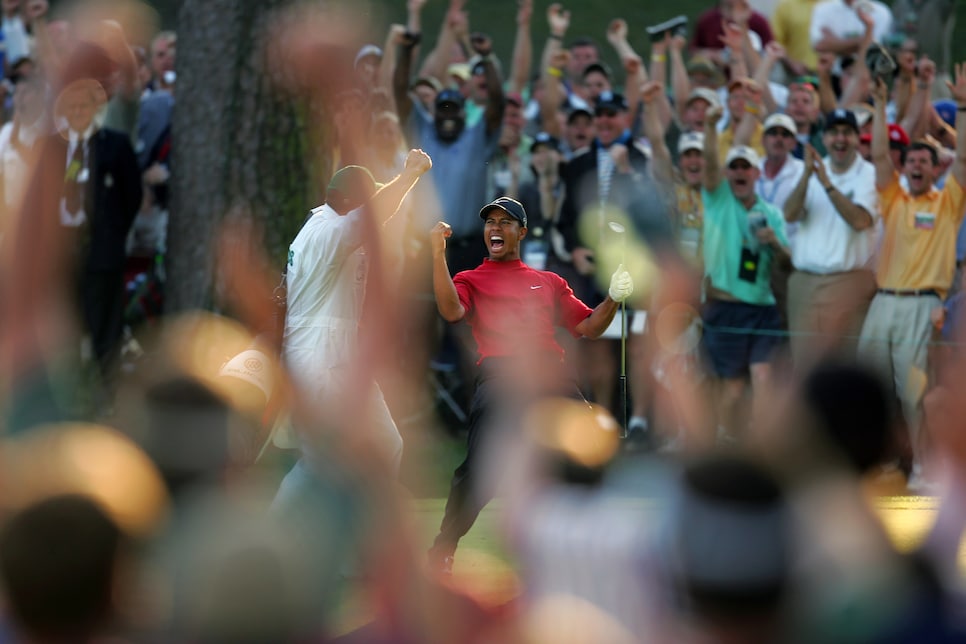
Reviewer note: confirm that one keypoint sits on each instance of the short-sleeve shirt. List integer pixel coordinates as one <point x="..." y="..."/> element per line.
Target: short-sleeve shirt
<point x="459" y="169"/>
<point x="844" y="22"/>
<point x="824" y="242"/>
<point x="514" y="310"/>
<point x="919" y="243"/>
<point x="790" y="23"/>
<point x="326" y="279"/>
<point x="728" y="237"/>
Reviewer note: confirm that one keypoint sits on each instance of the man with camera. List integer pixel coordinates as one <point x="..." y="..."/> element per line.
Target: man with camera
<point x="743" y="236"/>
<point x="835" y="206"/>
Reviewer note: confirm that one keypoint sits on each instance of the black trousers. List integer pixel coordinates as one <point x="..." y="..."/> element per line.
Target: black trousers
<point x="102" y="313"/>
<point x="495" y="409"/>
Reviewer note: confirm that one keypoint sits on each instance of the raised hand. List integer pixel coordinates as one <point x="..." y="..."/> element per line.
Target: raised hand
<point x="741" y="14"/>
<point x="415" y="5"/>
<point x="817" y="165"/>
<point x="811" y="157"/>
<point x="558" y="19"/>
<point x="825" y="62"/>
<point x="560" y="59"/>
<point x="958" y="88"/>
<point x="632" y="64"/>
<point x="617" y="31"/>
<point x="678" y="42"/>
<point x="651" y="90"/>
<point x="733" y="37"/>
<point x="438" y="235"/>
<point x="619" y="153"/>
<point x="524" y="12"/>
<point x="926" y="70"/>
<point x="712" y="116"/>
<point x="397" y="34"/>
<point x="418" y="162"/>
<point x="774" y="51"/>
<point x="880" y="91"/>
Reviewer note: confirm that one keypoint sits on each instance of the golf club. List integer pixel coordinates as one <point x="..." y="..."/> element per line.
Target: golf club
<point x="619" y="229"/>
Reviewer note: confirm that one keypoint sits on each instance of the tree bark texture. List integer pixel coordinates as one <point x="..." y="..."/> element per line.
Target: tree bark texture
<point x="237" y="141"/>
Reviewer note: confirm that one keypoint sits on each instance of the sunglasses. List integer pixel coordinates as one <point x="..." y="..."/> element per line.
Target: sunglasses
<point x="778" y="131"/>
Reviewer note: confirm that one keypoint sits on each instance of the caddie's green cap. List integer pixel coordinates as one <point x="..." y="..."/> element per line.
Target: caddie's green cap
<point x="354" y="183"/>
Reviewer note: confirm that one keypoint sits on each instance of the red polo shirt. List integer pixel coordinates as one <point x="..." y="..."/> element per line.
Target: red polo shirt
<point x="513" y="310"/>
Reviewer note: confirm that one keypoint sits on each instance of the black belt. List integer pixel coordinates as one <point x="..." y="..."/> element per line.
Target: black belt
<point x="960" y="262"/>
<point x="914" y="292"/>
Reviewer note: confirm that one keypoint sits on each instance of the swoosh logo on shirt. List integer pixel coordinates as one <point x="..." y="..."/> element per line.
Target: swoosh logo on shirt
<point x="535" y="287"/>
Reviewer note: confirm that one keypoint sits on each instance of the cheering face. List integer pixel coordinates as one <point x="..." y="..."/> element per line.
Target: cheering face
<point x="79" y="108"/>
<point x="596" y="83"/>
<point x="842" y="143"/>
<point x="741" y="177"/>
<point x="920" y="171"/>
<point x="694" y="114"/>
<point x="502" y="234"/>
<point x="778" y="142"/>
<point x="580" y="132"/>
<point x="610" y="124"/>
<point x="691" y="164"/>
<point x="802" y="106"/>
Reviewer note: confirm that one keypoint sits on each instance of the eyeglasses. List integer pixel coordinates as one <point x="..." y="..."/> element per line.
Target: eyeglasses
<point x="778" y="131"/>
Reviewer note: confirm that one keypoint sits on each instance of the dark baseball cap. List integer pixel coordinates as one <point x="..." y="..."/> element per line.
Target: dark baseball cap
<point x="578" y="111"/>
<point x="600" y="68"/>
<point x="354" y="183"/>
<point x="449" y="97"/>
<point x="841" y="117"/>
<point x="542" y="138"/>
<point x="510" y="206"/>
<point x="610" y="101"/>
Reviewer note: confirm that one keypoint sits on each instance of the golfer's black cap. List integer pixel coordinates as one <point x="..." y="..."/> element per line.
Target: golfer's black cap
<point x="510" y="206"/>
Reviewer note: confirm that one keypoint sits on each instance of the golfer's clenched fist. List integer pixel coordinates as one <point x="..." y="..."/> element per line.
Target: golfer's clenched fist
<point x="438" y="236"/>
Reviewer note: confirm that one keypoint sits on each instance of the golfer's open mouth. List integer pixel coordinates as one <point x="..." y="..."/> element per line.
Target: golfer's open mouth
<point x="496" y="242"/>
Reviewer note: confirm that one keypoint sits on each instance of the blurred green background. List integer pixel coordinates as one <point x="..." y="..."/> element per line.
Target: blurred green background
<point x="497" y="18"/>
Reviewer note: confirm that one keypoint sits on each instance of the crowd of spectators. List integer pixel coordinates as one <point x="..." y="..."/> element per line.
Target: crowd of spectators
<point x="787" y="192"/>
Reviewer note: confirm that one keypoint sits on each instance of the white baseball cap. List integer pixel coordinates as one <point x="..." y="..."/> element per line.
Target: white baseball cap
<point x="251" y="366"/>
<point x="705" y="94"/>
<point x="691" y="141"/>
<point x="783" y="121"/>
<point x="742" y="152"/>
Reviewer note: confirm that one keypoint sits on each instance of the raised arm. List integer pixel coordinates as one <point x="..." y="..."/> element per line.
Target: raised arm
<point x="754" y="113"/>
<point x="860" y="84"/>
<point x="385" y="76"/>
<point x="387" y="200"/>
<point x="658" y="72"/>
<point x="400" y="79"/>
<point x="455" y="22"/>
<point x="884" y="169"/>
<point x="917" y="119"/>
<point x="794" y="209"/>
<point x="711" y="176"/>
<point x="522" y="48"/>
<point x="495" y="98"/>
<point x="774" y="52"/>
<point x="958" y="91"/>
<point x="554" y="92"/>
<point x="680" y="83"/>
<point x="447" y="299"/>
<point x="662" y="166"/>
<point x="827" y="99"/>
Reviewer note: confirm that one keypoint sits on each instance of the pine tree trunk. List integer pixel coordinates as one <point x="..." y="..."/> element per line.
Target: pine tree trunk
<point x="237" y="141"/>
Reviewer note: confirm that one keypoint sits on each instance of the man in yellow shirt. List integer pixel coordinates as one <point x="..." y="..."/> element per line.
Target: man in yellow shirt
<point x="791" y="23"/>
<point x="917" y="258"/>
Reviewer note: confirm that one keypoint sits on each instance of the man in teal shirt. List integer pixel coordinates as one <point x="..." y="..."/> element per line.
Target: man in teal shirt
<point x="743" y="236"/>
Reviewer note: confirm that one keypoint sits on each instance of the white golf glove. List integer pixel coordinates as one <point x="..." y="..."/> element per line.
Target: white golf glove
<point x="621" y="285"/>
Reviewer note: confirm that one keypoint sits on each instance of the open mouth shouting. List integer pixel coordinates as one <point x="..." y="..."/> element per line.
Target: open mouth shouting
<point x="496" y="242"/>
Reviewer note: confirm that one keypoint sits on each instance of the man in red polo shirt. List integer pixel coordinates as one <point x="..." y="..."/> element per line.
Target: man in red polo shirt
<point x="513" y="311"/>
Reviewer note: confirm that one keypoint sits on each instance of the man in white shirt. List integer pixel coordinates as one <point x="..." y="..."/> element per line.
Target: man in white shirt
<point x="838" y="28"/>
<point x="836" y="208"/>
<point x="326" y="278"/>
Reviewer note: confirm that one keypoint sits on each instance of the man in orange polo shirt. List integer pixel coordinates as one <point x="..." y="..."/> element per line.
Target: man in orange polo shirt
<point x="917" y="258"/>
